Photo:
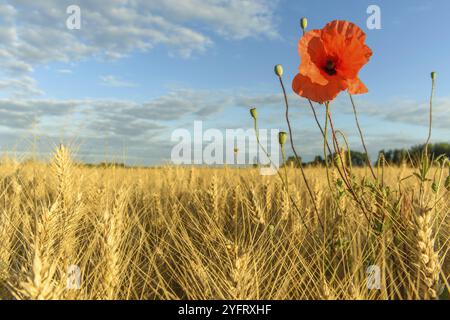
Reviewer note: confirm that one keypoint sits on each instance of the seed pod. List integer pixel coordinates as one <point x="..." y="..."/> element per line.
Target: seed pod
<point x="433" y="75"/>
<point x="254" y="113"/>
<point x="303" y="23"/>
<point x="282" y="137"/>
<point x="278" y="70"/>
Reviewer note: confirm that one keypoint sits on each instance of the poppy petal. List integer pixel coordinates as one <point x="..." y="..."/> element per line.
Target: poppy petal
<point x="331" y="59"/>
<point x="305" y="87"/>
<point x="355" y="86"/>
<point x="312" y="51"/>
<point x="345" y="41"/>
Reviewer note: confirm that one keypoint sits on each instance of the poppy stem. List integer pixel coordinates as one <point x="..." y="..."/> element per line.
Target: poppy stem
<point x="299" y="160"/>
<point x="325" y="143"/>
<point x="337" y="149"/>
<point x="344" y="174"/>
<point x="315" y="114"/>
<point x="283" y="156"/>
<point x="430" y="124"/>
<point x="318" y="123"/>
<point x="362" y="138"/>
<point x="425" y="158"/>
<point x="255" y="126"/>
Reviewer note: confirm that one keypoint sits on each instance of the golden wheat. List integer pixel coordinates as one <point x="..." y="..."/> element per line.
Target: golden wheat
<point x="217" y="233"/>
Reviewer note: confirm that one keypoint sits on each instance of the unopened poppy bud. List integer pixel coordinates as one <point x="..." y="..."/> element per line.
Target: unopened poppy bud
<point x="254" y="113"/>
<point x="433" y="75"/>
<point x="282" y="137"/>
<point x="279" y="70"/>
<point x="236" y="150"/>
<point x="304" y="23"/>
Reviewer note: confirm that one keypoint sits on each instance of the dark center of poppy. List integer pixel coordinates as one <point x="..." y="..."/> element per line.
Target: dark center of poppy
<point x="330" y="67"/>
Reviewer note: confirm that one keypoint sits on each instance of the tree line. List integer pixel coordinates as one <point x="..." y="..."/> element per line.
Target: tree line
<point x="392" y="157"/>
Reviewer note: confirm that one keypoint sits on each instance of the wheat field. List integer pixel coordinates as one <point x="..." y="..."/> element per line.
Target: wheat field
<point x="218" y="233"/>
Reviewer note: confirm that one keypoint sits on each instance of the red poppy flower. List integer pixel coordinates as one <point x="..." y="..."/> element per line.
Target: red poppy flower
<point x="330" y="61"/>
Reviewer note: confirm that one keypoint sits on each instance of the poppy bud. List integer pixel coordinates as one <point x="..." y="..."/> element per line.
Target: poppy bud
<point x="433" y="75"/>
<point x="282" y="137"/>
<point x="304" y="23"/>
<point x="236" y="150"/>
<point x="279" y="70"/>
<point x="254" y="113"/>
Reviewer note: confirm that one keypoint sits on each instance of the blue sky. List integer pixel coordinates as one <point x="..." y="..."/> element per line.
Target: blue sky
<point x="137" y="70"/>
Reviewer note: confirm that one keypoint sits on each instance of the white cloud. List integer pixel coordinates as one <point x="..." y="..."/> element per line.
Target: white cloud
<point x="123" y="119"/>
<point x="405" y="111"/>
<point x="146" y="127"/>
<point x="236" y="19"/>
<point x="64" y="71"/>
<point x="114" y="81"/>
<point x="33" y="33"/>
<point x="20" y="87"/>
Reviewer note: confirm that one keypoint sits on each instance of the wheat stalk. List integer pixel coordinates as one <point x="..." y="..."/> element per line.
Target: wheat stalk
<point x="427" y="257"/>
<point x="41" y="282"/>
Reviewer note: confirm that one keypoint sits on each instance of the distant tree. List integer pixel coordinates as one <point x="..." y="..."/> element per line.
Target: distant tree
<point x="111" y="164"/>
<point x="398" y="156"/>
<point x="359" y="159"/>
<point x="292" y="162"/>
<point x="393" y="157"/>
<point x="440" y="149"/>
<point x="318" y="160"/>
